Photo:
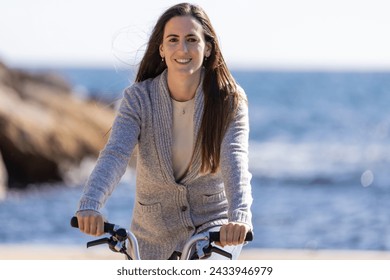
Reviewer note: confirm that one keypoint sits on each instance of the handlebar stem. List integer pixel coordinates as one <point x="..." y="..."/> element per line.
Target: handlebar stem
<point x="134" y="244"/>
<point x="188" y="246"/>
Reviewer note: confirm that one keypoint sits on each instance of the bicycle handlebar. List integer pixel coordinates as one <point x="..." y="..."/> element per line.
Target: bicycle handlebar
<point x="117" y="241"/>
<point x="107" y="226"/>
<point x="214" y="236"/>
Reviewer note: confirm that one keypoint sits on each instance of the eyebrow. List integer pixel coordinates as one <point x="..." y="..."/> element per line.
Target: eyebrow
<point x="174" y="35"/>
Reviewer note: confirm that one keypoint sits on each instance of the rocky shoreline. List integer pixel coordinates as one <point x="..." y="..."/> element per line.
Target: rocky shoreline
<point x="45" y="129"/>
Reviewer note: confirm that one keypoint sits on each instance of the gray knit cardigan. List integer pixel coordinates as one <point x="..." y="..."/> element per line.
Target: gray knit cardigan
<point x="166" y="213"/>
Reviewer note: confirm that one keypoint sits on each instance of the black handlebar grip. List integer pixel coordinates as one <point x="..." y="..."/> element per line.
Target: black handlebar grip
<point x="107" y="226"/>
<point x="74" y="222"/>
<point x="215" y="236"/>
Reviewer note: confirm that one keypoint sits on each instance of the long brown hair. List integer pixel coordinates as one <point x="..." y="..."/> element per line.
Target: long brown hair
<point x="221" y="95"/>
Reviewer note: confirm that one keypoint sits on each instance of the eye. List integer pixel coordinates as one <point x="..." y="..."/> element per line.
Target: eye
<point x="192" y="39"/>
<point x="172" y="40"/>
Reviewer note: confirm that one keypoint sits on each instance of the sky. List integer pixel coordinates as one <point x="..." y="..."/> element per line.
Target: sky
<point x="278" y="34"/>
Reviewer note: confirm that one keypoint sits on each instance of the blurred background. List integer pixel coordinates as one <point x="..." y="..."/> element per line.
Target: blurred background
<point x="317" y="76"/>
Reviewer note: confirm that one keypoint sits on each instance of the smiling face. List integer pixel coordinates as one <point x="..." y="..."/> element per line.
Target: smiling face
<point x="184" y="46"/>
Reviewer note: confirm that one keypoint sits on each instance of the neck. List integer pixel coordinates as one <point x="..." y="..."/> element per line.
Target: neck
<point x="183" y="88"/>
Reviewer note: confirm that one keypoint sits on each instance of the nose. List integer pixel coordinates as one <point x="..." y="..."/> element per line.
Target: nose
<point x="183" y="46"/>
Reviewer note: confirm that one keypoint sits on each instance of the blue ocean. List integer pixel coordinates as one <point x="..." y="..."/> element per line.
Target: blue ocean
<point x="319" y="155"/>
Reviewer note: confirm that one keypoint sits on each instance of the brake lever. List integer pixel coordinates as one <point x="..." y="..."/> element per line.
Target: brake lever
<point x="204" y="250"/>
<point x="201" y="246"/>
<point x="116" y="242"/>
<point x="210" y="249"/>
<point x="98" y="242"/>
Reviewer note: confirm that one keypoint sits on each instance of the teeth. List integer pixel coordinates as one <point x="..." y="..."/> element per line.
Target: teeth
<point x="183" y="60"/>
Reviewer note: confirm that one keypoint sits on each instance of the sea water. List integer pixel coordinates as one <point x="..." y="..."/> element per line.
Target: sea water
<point x="318" y="154"/>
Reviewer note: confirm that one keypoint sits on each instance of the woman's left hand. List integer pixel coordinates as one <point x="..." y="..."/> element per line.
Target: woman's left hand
<point x="232" y="234"/>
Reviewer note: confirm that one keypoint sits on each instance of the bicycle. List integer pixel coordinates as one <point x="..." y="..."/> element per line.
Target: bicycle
<point x="119" y="237"/>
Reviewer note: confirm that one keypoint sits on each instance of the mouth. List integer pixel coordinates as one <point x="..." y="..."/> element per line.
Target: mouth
<point x="183" y="60"/>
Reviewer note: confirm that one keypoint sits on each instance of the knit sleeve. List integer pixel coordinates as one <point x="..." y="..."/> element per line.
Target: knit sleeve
<point x="114" y="158"/>
<point x="234" y="167"/>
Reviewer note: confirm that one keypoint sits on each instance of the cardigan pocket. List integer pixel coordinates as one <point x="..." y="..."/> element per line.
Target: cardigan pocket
<point x="213" y="198"/>
<point x="150" y="208"/>
<point x="149" y="222"/>
<point x="214" y="203"/>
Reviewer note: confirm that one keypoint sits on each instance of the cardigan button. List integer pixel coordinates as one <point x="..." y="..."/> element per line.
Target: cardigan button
<point x="190" y="228"/>
<point x="184" y="208"/>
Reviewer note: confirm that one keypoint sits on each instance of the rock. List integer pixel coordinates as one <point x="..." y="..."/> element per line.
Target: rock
<point x="3" y="179"/>
<point x="45" y="129"/>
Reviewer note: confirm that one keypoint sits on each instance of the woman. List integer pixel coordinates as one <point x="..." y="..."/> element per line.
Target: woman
<point x="189" y="120"/>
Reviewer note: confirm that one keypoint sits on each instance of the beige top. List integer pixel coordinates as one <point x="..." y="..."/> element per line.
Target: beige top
<point x="183" y="136"/>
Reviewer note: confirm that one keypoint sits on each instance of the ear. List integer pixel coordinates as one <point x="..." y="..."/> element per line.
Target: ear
<point x="161" y="50"/>
<point x="208" y="48"/>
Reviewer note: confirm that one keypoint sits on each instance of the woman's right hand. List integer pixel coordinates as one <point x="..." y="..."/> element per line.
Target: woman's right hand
<point x="90" y="222"/>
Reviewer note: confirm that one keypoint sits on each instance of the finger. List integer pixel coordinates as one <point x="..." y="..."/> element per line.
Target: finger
<point x="83" y="221"/>
<point x="100" y="226"/>
<point x="243" y="232"/>
<point x="239" y="234"/>
<point x="86" y="228"/>
<point x="222" y="236"/>
<point x="236" y="232"/>
<point x="80" y="222"/>
<point x="230" y="234"/>
<point x="94" y="225"/>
